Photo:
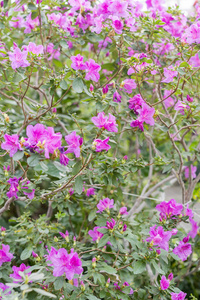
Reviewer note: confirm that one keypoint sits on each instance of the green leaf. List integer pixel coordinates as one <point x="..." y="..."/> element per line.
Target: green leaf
<point x="63" y="84"/>
<point x="92" y="215"/>
<point x="103" y="240"/>
<point x="32" y="6"/>
<point x="59" y="282"/>
<point x="78" y="85"/>
<point x="64" y="44"/>
<point x="156" y="267"/>
<point x="18" y="155"/>
<point x="33" y="160"/>
<point x="139" y="267"/>
<point x="108" y="269"/>
<point x="184" y="64"/>
<point x="26" y="253"/>
<point x="79" y="185"/>
<point x="76" y="168"/>
<point x="44" y="293"/>
<point x="92" y="297"/>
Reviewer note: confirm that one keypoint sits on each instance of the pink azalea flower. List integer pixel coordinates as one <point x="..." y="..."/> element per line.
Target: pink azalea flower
<point x="95" y="234"/>
<point x="5" y="255"/>
<point x="111" y="124"/>
<point x="77" y="62"/>
<point x="24" y="186"/>
<point x="111" y="224"/>
<point x="129" y="85"/>
<point x="170" y="208"/>
<point x="117" y="24"/>
<point x="90" y="192"/>
<point x="117" y="97"/>
<point x="52" y="141"/>
<point x="64" y="160"/>
<point x="74" y="141"/>
<point x="189" y="212"/>
<point x="193" y="33"/>
<point x="159" y="237"/>
<point x="92" y="70"/>
<point x="164" y="283"/>
<point x="11" y="144"/>
<point x="17" y="22"/>
<point x="123" y="211"/>
<point x="118" y="8"/>
<point x="178" y="296"/>
<point x="18" y="58"/>
<point x="135" y="103"/>
<point x="101" y="121"/>
<point x="169" y="101"/>
<point x="64" y="263"/>
<point x="193" y="232"/>
<point x="15" y="275"/>
<point x="169" y="74"/>
<point x="30" y="24"/>
<point x="183" y="250"/>
<point x="105" y="204"/>
<point x="193" y="171"/>
<point x="55" y="53"/>
<point x="146" y="114"/>
<point x="181" y="107"/>
<point x="101" y="145"/>
<point x="4" y="287"/>
<point x="32" y="47"/>
<point x="36" y="134"/>
<point x="137" y="123"/>
<point x="14" y="183"/>
<point x="195" y="61"/>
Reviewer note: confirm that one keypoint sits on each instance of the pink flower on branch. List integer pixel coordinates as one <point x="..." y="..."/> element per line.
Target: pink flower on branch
<point x="105" y="204"/>
<point x="183" y="250"/>
<point x="11" y="144"/>
<point x="18" y="58"/>
<point x="77" y="62"/>
<point x="92" y="70"/>
<point x="15" y="275"/>
<point x="74" y="141"/>
<point x="5" y="255"/>
<point x="164" y="283"/>
<point x="100" y="145"/>
<point x="178" y="296"/>
<point x="159" y="237"/>
<point x="64" y="263"/>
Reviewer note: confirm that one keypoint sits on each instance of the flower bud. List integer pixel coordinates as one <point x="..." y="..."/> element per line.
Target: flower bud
<point x="54" y="110"/>
<point x="34" y="254"/>
<point x="82" y="286"/>
<point x="55" y="239"/>
<point x="94" y="262"/>
<point x="170" y="277"/>
<point x="91" y="88"/>
<point x="108" y="282"/>
<point x="186" y="239"/>
<point x="74" y="238"/>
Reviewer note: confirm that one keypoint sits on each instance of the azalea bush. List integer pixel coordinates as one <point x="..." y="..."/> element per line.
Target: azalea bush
<point x="99" y="114"/>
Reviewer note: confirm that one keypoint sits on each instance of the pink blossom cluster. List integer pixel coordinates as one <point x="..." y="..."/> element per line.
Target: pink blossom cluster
<point x="144" y="111"/>
<point x="44" y="140"/>
<point x="91" y="67"/>
<point x="16" y="186"/>
<point x="64" y="263"/>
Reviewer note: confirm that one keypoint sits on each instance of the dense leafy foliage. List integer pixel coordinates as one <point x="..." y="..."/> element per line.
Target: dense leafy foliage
<point x="99" y="112"/>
